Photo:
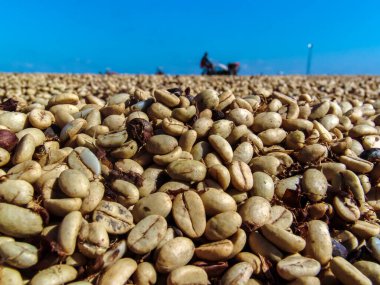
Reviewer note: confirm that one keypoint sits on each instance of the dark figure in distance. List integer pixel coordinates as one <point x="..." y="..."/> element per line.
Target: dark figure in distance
<point x="210" y="68"/>
<point x="159" y="71"/>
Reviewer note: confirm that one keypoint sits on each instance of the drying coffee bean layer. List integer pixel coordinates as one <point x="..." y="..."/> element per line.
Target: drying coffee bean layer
<point x="115" y="180"/>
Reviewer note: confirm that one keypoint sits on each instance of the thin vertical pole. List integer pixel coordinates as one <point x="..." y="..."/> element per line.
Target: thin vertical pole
<point x="309" y="55"/>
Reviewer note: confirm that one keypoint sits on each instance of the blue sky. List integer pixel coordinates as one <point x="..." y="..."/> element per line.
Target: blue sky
<point x="137" y="36"/>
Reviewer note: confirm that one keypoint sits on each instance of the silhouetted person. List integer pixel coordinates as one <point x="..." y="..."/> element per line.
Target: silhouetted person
<point x="206" y="64"/>
<point x="210" y="68"/>
<point x="159" y="71"/>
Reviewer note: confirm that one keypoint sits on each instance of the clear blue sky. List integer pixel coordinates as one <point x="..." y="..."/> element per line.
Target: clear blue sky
<point x="268" y="36"/>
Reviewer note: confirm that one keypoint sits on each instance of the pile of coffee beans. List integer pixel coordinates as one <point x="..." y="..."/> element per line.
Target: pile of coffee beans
<point x="115" y="180"/>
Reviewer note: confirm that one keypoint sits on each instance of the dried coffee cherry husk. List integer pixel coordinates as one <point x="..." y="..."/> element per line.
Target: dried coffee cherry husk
<point x="9" y="105"/>
<point x="130" y="176"/>
<point x="217" y="115"/>
<point x="140" y="130"/>
<point x="188" y="96"/>
<point x="52" y="132"/>
<point x="176" y="91"/>
<point x="372" y="154"/>
<point x="339" y="249"/>
<point x="213" y="269"/>
<point x="8" y="140"/>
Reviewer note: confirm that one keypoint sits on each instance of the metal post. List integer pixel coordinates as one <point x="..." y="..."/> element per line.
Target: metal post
<point x="309" y="54"/>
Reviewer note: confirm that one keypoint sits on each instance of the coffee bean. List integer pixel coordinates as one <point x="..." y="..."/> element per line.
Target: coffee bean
<point x="174" y="254"/>
<point x="346" y="273"/>
<point x="147" y="233"/>
<point x="295" y="266"/>
<point x="189" y="214"/>
<point x="241" y="176"/>
<point x="116" y="218"/>
<point x="222" y="225"/>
